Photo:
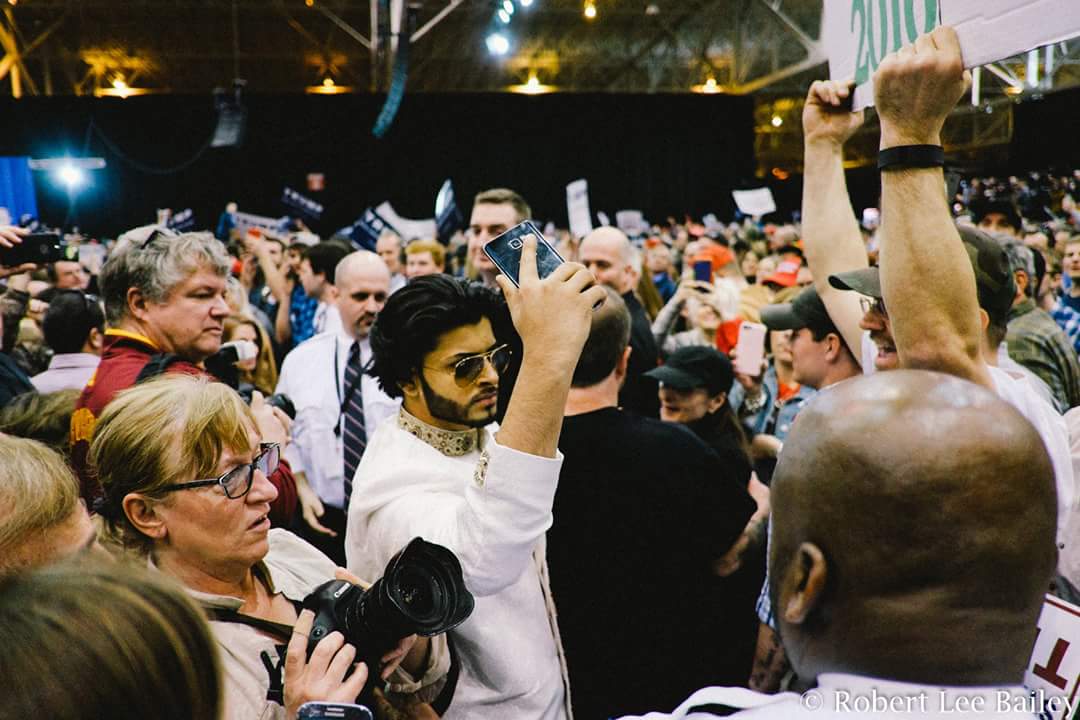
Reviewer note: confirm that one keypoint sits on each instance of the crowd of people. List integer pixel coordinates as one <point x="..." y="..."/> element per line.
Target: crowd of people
<point x="200" y="434"/>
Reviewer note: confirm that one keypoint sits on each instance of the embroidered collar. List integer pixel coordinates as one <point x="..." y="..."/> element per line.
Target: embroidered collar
<point x="452" y="443"/>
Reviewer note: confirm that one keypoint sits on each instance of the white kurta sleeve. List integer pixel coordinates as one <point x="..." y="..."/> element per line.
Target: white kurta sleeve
<point x="492" y="527"/>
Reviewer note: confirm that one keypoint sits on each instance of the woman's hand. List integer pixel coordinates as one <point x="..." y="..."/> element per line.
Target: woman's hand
<point x="274" y="425"/>
<point x="322" y="677"/>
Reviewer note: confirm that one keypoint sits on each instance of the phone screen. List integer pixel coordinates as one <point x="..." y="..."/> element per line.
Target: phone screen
<point x="750" y="349"/>
<point x="333" y="711"/>
<point x="505" y="252"/>
<point x="703" y="271"/>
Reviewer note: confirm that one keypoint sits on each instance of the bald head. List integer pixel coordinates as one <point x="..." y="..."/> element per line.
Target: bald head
<point x="913" y="513"/>
<point x="363" y="284"/>
<point x="608" y="254"/>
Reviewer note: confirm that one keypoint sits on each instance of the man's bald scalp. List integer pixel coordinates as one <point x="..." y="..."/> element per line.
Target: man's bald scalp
<point x="361" y="259"/>
<point x="911" y="481"/>
<point x="612" y="235"/>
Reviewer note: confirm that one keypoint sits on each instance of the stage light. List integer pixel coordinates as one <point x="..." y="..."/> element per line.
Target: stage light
<point x="497" y="44"/>
<point x="508" y="7"/>
<point x="532" y="86"/>
<point x="526" y="3"/>
<point x="328" y="82"/>
<point x="504" y="16"/>
<point x="777" y="121"/>
<point x="70" y="176"/>
<point x="119" y="84"/>
<point x="709" y="88"/>
<point x="590" y="10"/>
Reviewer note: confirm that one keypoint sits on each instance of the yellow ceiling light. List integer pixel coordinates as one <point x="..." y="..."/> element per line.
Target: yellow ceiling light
<point x="710" y="87"/>
<point x="590" y="9"/>
<point x="777" y="121"/>
<point x="327" y="87"/>
<point x="532" y="86"/>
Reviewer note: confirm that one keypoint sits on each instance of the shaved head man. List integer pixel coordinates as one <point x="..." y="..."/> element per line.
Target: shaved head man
<point x="913" y="533"/>
<point x="609" y="256"/>
<point x="912" y="543"/>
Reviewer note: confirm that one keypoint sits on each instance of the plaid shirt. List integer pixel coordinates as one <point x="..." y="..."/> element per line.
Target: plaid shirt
<point x="1036" y="342"/>
<point x="1068" y="320"/>
<point x="301" y="315"/>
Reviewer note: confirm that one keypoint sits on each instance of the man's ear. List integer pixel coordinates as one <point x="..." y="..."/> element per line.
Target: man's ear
<point x="142" y="513"/>
<point x="803" y="584"/>
<point x="136" y="303"/>
<point x="834" y="347"/>
<point x="411" y="387"/>
<point x="716" y="402"/>
<point x="96" y="340"/>
<point x="1022" y="281"/>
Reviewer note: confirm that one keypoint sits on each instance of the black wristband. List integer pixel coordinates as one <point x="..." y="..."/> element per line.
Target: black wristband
<point x="911" y="156"/>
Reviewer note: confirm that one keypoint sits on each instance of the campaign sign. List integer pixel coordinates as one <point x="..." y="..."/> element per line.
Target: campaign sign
<point x="1053" y="673"/>
<point x="577" y="208"/>
<point x="754" y="203"/>
<point x="860" y="33"/>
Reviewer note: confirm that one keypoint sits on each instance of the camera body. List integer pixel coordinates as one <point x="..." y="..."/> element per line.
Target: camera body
<point x="422" y="592"/>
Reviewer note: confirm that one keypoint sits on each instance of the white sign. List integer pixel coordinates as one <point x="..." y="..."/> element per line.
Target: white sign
<point x="1053" y="672"/>
<point x="991" y="30"/>
<point x="860" y="33"/>
<point x="605" y="221"/>
<point x="243" y="221"/>
<point x="754" y="203"/>
<point x="577" y="208"/>
<point x="631" y="222"/>
<point x="407" y="229"/>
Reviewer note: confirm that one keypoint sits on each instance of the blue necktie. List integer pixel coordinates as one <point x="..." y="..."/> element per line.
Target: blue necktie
<point x="355" y="437"/>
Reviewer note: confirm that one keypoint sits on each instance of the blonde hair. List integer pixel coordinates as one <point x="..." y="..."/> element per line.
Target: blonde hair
<point x="427" y="245"/>
<point x="172" y="429"/>
<point x="264" y="376"/>
<point x="37" y="492"/>
<point x="103" y="640"/>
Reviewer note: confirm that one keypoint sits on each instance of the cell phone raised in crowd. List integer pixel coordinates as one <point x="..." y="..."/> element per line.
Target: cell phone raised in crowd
<point x="38" y="248"/>
<point x="333" y="711"/>
<point x="750" y="349"/>
<point x="703" y="271"/>
<point x="505" y="252"/>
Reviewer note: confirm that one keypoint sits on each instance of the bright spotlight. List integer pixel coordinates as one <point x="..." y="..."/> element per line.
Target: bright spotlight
<point x="590" y="9"/>
<point x="498" y="44"/>
<point x="508" y="7"/>
<point x="504" y="16"/>
<point x="526" y="3"/>
<point x="777" y="121"/>
<point x="70" y="176"/>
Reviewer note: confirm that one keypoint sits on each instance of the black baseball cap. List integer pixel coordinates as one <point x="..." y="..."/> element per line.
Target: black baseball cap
<point x="697" y="366"/>
<point x="993" y="275"/>
<point x="806" y="310"/>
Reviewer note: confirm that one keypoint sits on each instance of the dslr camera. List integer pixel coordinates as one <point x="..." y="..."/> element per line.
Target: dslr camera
<point x="422" y="593"/>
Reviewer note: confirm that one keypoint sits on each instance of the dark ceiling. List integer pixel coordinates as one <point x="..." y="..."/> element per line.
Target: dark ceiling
<point x="191" y="46"/>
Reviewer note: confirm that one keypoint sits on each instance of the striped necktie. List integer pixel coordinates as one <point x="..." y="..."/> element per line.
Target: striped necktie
<point x="355" y="437"/>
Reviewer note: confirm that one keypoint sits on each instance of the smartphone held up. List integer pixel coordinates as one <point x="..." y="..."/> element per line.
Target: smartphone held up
<point x="39" y="249"/>
<point x="505" y="251"/>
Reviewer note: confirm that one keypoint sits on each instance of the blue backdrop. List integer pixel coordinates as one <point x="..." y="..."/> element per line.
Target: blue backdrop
<point x="17" y="187"/>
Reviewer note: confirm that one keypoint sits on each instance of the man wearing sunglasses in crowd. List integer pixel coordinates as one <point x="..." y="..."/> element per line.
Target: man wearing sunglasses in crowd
<point x="444" y="470"/>
<point x="165" y="309"/>
<point x="338" y="407"/>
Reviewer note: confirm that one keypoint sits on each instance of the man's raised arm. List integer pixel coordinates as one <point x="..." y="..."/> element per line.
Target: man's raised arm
<point x="926" y="276"/>
<point x="831" y="237"/>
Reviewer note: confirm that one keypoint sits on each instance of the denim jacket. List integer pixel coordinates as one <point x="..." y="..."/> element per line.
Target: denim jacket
<point x="785" y="414"/>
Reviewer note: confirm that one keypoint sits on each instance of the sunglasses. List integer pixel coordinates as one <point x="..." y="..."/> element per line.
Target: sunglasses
<point x="237" y="482"/>
<point x="467" y="369"/>
<point x="875" y="304"/>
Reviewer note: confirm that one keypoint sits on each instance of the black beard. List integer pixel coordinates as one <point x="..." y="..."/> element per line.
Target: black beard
<point x="450" y="411"/>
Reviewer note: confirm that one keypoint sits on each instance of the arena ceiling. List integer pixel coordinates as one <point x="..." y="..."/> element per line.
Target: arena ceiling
<point x="768" y="48"/>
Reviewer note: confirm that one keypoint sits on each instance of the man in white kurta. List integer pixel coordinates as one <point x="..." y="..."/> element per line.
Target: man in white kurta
<point x="445" y="472"/>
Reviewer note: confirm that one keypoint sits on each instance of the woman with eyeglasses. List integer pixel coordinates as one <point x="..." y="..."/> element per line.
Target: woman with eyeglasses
<point x="184" y="473"/>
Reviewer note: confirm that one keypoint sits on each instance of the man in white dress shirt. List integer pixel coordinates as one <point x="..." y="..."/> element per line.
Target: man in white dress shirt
<point x="316" y="376"/>
<point x="446" y="472"/>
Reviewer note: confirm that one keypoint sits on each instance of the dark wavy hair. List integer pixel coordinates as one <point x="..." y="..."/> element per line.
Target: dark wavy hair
<point x="416" y="316"/>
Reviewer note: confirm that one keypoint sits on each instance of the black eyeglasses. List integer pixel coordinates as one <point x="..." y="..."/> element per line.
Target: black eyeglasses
<point x="237" y="482"/>
<point x="875" y="304"/>
<point x="467" y="369"/>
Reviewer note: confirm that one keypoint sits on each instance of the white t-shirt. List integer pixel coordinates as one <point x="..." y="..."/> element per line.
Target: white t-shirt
<point x="1023" y="396"/>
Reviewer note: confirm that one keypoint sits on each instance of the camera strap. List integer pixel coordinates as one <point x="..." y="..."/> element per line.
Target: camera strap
<point x="278" y="631"/>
